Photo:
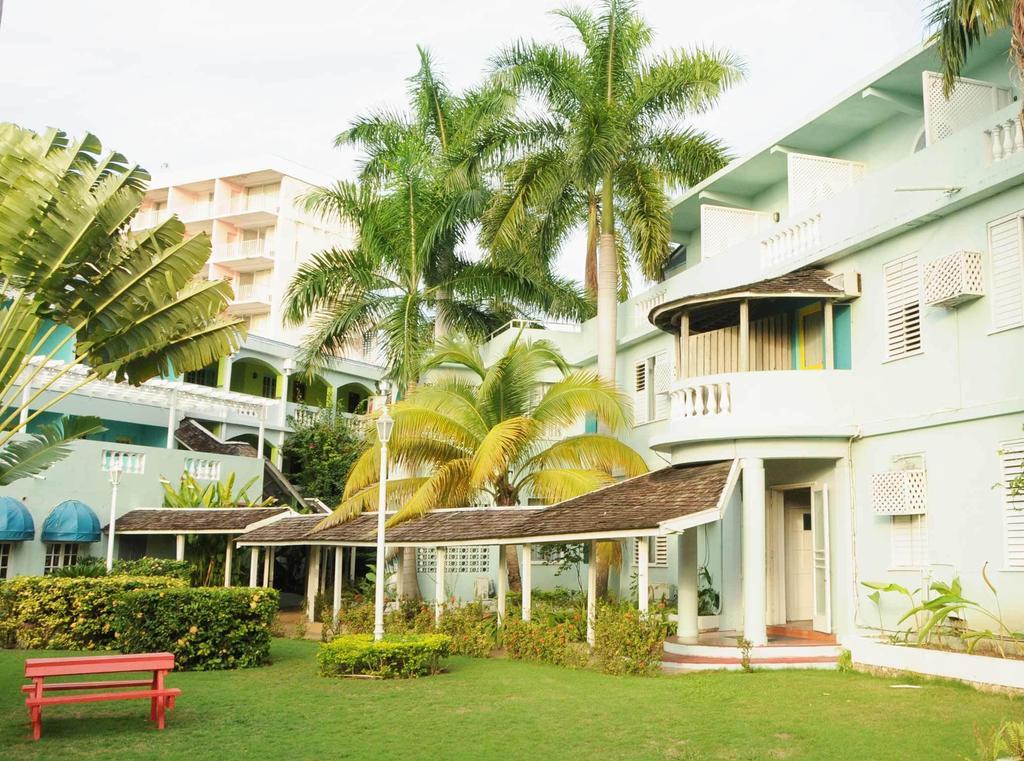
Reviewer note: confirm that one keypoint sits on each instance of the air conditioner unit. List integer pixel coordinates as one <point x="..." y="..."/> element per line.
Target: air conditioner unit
<point x="953" y="279"/>
<point x="898" y="492"/>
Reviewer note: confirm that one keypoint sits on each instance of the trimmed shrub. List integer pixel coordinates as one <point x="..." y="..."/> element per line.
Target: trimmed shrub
<point x="66" y="613"/>
<point x="411" y="617"/>
<point x="206" y="628"/>
<point x="395" y="656"/>
<point x="538" y="641"/>
<point x="472" y="628"/>
<point x="177" y="569"/>
<point x="355" y="617"/>
<point x="626" y="642"/>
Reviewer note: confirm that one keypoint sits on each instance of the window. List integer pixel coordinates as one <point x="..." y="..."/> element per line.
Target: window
<point x="1007" y="257"/>
<point x="657" y="552"/>
<point x="909" y="541"/>
<point x="1012" y="456"/>
<point x="471" y="559"/>
<point x="59" y="556"/>
<point x="651" y="379"/>
<point x="269" y="387"/>
<point x="902" y="307"/>
<point x="5" y="559"/>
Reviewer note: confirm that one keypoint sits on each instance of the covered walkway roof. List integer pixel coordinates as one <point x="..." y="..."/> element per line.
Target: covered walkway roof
<point x="664" y="501"/>
<point x="196" y="520"/>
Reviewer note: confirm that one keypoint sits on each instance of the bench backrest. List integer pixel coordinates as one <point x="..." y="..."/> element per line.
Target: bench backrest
<point x="98" y="664"/>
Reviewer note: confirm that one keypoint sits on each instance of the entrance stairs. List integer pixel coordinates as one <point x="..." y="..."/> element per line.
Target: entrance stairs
<point x="794" y="646"/>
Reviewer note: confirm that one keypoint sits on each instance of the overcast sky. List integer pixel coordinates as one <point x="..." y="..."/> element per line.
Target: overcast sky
<point x="193" y="82"/>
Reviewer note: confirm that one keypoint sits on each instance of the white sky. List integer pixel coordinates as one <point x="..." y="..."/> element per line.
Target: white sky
<point x="194" y="82"/>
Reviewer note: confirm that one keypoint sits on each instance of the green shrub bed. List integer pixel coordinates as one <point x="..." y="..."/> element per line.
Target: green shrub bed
<point x="67" y="613"/>
<point x="207" y="628"/>
<point x="472" y="627"/>
<point x="626" y="642"/>
<point x="540" y="641"/>
<point x="396" y="656"/>
<point x="178" y="569"/>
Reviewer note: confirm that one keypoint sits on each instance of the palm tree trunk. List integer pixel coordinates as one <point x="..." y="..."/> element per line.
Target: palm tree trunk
<point x="1017" y="45"/>
<point x="590" y="272"/>
<point x="515" y="576"/>
<point x="441" y="326"/>
<point x="410" y="580"/>
<point x="607" y="287"/>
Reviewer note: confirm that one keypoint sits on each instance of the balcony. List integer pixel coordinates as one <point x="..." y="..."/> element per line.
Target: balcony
<point x="245" y="255"/>
<point x="766" y="404"/>
<point x="149" y="218"/>
<point x="248" y="211"/>
<point x="250" y="299"/>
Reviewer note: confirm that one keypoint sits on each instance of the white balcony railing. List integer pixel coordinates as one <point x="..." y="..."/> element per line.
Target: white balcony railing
<point x="643" y="306"/>
<point x="701" y="398"/>
<point x="247" y="249"/>
<point x="1003" y="140"/>
<point x="252" y="292"/>
<point x="791" y="242"/>
<point x="197" y="210"/>
<point x="149" y="218"/>
<point x="241" y="204"/>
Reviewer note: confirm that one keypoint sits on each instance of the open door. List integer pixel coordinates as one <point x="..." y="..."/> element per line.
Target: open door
<point x="822" y="587"/>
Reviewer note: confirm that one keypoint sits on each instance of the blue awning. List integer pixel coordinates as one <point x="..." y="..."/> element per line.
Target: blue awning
<point x="16" y="523"/>
<point x="71" y="521"/>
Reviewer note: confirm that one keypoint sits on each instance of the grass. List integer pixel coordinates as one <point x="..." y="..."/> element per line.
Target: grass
<point x="485" y="709"/>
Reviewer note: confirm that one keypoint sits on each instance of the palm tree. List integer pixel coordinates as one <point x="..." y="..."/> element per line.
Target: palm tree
<point x="127" y="306"/>
<point x="488" y="435"/>
<point x="959" y="25"/>
<point x="408" y="277"/>
<point x="608" y="147"/>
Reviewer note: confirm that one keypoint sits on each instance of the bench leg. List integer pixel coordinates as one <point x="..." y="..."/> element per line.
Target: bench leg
<point x="36" y="712"/>
<point x="160" y="723"/>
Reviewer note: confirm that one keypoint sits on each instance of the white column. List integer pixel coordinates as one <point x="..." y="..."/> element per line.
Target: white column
<point x="441" y="558"/>
<point x="352" y="564"/>
<point x="526" y="573"/>
<point x="339" y="562"/>
<point x="26" y="394"/>
<point x="502" y="584"/>
<point x="172" y="419"/>
<point x="643" y="578"/>
<point x="179" y="547"/>
<point x="744" y="349"/>
<point x="228" y="559"/>
<point x="254" y="566"/>
<point x="273" y="557"/>
<point x="686" y="579"/>
<point x="683" y="347"/>
<point x="830" y="352"/>
<point x="266" y="565"/>
<point x="755" y="593"/>
<point x="591" y="592"/>
<point x="262" y="431"/>
<point x="312" y="577"/>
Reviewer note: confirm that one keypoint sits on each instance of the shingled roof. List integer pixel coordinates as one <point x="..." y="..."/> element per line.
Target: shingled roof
<point x="636" y="505"/>
<point x="193" y="520"/>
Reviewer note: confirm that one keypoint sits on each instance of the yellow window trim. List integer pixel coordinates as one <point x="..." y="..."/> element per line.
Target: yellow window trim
<point x="800" y="315"/>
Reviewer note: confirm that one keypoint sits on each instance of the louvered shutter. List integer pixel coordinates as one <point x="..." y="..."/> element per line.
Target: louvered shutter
<point x="902" y="307"/>
<point x="1004" y="245"/>
<point x="641" y="413"/>
<point x="1012" y="454"/>
<point x="658" y="552"/>
<point x="663" y="372"/>
<point x="909" y="541"/>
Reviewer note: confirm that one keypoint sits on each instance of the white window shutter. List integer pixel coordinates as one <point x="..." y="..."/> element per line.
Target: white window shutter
<point x="909" y="541"/>
<point x="663" y="372"/>
<point x="902" y="307"/>
<point x="641" y="413"/>
<point x="1012" y="455"/>
<point x="1004" y="245"/>
<point x="658" y="551"/>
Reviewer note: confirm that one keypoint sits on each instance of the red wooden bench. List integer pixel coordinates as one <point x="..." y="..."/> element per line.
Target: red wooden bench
<point x="38" y="669"/>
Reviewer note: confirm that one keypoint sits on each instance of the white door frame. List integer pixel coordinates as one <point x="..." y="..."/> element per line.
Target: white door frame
<point x="776" y="549"/>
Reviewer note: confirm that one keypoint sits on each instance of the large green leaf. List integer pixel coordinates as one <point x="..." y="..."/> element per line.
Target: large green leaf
<point x="30" y="457"/>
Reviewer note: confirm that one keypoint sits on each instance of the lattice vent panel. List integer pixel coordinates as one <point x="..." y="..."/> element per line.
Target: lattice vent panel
<point x="970" y="101"/>
<point x="722" y="227"/>
<point x="953" y="279"/>
<point x="899" y="492"/>
<point x="471" y="559"/>
<point x="812" y="179"/>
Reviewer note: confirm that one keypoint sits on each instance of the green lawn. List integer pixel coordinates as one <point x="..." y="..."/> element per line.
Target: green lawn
<point x="485" y="709"/>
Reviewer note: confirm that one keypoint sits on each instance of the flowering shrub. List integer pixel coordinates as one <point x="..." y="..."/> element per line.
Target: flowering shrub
<point x="354" y="617"/>
<point x="66" y="613"/>
<point x="411" y="617"/>
<point x="627" y="642"/>
<point x="472" y="629"/>
<point x="206" y="628"/>
<point x="539" y="641"/>
<point x="178" y="569"/>
<point x="401" y="656"/>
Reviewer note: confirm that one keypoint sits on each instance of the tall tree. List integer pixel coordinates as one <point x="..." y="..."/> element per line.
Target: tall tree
<point x="481" y="435"/>
<point x="79" y="285"/>
<point x="410" y="276"/>
<point x="607" y="149"/>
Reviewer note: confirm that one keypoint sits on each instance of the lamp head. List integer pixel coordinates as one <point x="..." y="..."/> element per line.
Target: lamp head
<point x="385" y="423"/>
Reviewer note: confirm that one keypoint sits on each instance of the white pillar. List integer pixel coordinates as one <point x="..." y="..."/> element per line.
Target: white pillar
<point x="441" y="558"/>
<point x="261" y="432"/>
<point x="266" y="565"/>
<point x="591" y="592"/>
<point x="172" y="419"/>
<point x="254" y="566"/>
<point x="683" y="347"/>
<point x="26" y="394"/>
<point x="179" y="547"/>
<point x="686" y="579"/>
<point x="744" y="339"/>
<point x="228" y="559"/>
<point x="526" y="573"/>
<point x="339" y="563"/>
<point x="755" y="593"/>
<point x="273" y="557"/>
<point x="352" y="564"/>
<point x="502" y="583"/>
<point x="312" y="577"/>
<point x="643" y="581"/>
<point x="830" y="352"/>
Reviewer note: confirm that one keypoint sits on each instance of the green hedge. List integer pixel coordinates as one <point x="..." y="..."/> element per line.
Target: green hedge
<point x="206" y="628"/>
<point x="396" y="656"/>
<point x="66" y="613"/>
<point x="178" y="569"/>
<point x="473" y="629"/>
<point x="628" y="642"/>
<point x="541" y="641"/>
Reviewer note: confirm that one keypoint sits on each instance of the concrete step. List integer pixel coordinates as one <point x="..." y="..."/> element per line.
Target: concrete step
<point x="673" y="662"/>
<point x="810" y="650"/>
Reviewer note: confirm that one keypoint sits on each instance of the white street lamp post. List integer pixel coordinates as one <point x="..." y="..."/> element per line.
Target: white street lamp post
<point x="116" y="469"/>
<point x="384" y="426"/>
